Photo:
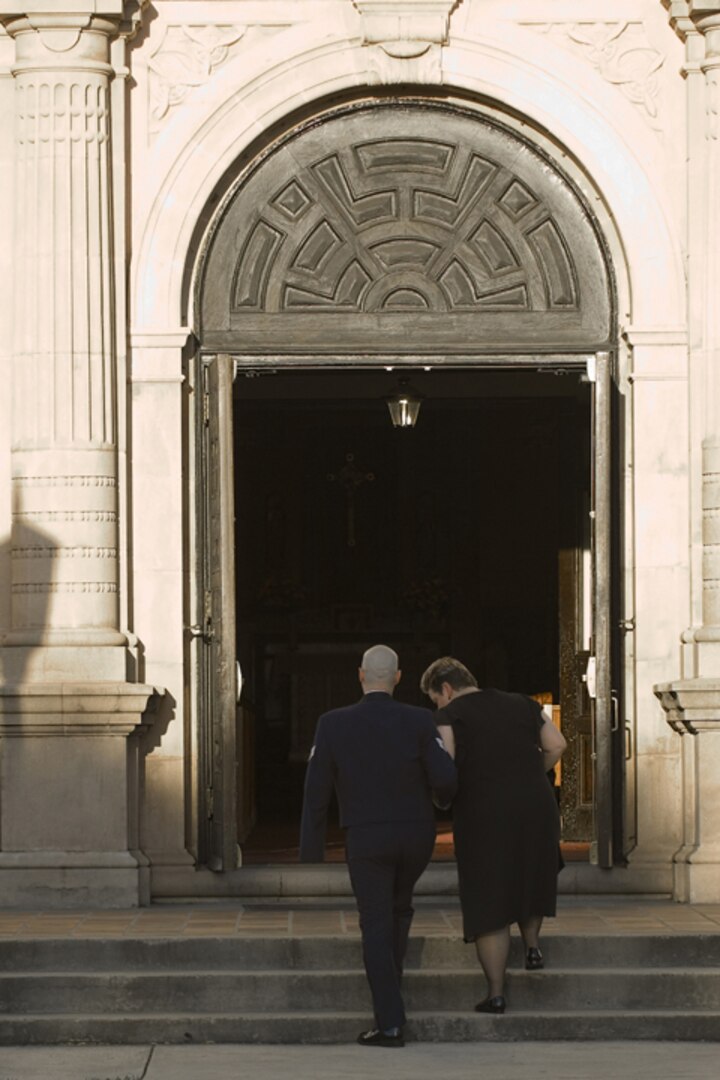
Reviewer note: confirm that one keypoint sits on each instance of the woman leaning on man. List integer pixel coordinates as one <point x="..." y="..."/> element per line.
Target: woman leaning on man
<point x="506" y="822"/>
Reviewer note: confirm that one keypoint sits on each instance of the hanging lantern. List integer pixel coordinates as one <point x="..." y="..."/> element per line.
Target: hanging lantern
<point x="404" y="405"/>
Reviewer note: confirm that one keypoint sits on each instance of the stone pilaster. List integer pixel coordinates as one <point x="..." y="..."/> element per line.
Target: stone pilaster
<point x="64" y="442"/>
<point x="707" y="20"/>
<point x="692" y="704"/>
<point x="72" y="765"/>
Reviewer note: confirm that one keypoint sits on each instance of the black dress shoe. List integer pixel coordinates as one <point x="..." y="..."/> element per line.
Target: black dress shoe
<point x="491" y="1005"/>
<point x="534" y="960"/>
<point x="391" y="1038"/>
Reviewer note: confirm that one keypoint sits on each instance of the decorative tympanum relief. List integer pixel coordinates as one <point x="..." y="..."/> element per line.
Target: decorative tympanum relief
<point x="621" y="53"/>
<point x="400" y="224"/>
<point x="372" y="224"/>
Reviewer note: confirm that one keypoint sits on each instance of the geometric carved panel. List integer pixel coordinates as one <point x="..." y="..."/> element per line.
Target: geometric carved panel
<point x="412" y="211"/>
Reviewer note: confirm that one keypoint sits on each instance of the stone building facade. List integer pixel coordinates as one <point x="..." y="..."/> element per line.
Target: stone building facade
<point x="198" y="187"/>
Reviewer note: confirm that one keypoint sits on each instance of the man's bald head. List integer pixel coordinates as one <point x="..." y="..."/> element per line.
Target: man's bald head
<point x="379" y="669"/>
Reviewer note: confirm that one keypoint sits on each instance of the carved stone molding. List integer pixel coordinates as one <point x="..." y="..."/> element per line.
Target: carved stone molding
<point x="405" y="29"/>
<point x="620" y="52"/>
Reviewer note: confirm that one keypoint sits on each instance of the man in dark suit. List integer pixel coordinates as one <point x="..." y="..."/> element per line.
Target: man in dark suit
<point x="385" y="760"/>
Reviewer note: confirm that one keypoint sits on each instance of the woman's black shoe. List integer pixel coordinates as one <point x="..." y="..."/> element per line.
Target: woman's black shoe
<point x="374" y="1037"/>
<point x="534" y="960"/>
<point x="491" y="1005"/>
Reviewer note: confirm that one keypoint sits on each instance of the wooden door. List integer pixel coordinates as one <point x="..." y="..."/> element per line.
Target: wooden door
<point x="217" y="751"/>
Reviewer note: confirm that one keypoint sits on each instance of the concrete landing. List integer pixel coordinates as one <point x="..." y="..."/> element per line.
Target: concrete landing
<point x="509" y="1061"/>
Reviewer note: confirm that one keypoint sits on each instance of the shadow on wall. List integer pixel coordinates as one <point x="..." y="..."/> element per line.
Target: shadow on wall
<point x="28" y="561"/>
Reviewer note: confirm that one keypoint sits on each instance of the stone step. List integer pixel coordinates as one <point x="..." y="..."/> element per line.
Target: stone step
<point x="327" y="951"/>
<point x="297" y="1027"/>
<point x="312" y="989"/>
<point x="189" y="884"/>
<point x="444" y="991"/>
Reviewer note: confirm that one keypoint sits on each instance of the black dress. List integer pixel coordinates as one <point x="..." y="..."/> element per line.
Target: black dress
<point x="505" y="816"/>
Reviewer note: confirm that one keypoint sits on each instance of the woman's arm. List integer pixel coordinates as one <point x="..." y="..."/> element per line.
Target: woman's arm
<point x="553" y="744"/>
<point x="447" y="735"/>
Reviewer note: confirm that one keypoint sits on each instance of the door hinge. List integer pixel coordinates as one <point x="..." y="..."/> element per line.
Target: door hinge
<point x="206" y="408"/>
<point x="590" y="677"/>
<point x="205" y="630"/>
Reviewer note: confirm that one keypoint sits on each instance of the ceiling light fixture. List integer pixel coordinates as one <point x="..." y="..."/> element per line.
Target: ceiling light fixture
<point x="404" y="405"/>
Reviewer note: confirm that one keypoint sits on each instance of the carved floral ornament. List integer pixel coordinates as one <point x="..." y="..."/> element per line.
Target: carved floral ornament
<point x="187" y="58"/>
<point x="619" y="51"/>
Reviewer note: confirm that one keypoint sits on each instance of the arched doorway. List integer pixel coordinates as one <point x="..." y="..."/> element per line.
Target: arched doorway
<point x="403" y="234"/>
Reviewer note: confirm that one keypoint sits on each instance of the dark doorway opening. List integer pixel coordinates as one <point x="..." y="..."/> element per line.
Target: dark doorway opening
<point x="467" y="534"/>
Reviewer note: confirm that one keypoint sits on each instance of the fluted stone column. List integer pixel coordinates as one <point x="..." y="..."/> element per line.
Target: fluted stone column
<point x="707" y="20"/>
<point x="692" y="703"/>
<point x="70" y="764"/>
<point x="64" y="454"/>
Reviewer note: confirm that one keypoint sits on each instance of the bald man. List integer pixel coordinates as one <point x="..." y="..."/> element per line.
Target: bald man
<point x="384" y="760"/>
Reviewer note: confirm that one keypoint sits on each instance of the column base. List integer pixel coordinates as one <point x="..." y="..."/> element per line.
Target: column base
<point x="57" y="880"/>
<point x="692" y="708"/>
<point x="71" y="776"/>
<point x="697" y="882"/>
<point x="651" y="872"/>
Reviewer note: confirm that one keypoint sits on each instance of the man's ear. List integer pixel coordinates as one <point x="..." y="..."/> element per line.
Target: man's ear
<point x="361" y="676"/>
<point x="398" y="677"/>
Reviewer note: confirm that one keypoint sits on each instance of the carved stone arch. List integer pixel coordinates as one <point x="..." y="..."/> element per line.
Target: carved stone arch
<point x="411" y="227"/>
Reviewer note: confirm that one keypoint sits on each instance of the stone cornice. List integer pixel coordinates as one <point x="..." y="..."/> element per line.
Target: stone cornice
<point x="691" y="705"/>
<point x="679" y="16"/>
<point x="76" y="708"/>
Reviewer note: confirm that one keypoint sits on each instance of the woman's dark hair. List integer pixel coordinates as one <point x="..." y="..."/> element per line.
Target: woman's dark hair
<point x="446" y="670"/>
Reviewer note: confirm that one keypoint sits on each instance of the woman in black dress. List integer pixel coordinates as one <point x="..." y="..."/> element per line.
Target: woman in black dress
<point x="505" y="817"/>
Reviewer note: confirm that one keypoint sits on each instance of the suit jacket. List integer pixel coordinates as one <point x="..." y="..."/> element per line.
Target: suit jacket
<point x="383" y="758"/>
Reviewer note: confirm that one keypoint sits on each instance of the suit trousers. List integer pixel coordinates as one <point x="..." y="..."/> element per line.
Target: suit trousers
<point x="384" y="862"/>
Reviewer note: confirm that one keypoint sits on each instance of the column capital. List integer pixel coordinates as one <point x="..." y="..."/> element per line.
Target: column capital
<point x="61" y="22"/>
<point x="41" y="10"/>
<point x="706" y="17"/>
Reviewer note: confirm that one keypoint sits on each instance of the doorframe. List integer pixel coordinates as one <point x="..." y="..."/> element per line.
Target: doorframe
<point x="609" y="785"/>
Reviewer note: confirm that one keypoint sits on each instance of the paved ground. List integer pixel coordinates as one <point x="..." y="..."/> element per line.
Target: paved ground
<point x="478" y="1061"/>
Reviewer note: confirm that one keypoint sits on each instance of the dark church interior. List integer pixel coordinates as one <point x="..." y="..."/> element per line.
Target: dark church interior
<point x="464" y="534"/>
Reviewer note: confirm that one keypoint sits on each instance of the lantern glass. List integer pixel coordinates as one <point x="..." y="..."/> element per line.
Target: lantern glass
<point x="404" y="406"/>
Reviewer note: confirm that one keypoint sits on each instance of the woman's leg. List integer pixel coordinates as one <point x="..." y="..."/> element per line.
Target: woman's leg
<point x="530" y="930"/>
<point x="492" y="952"/>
